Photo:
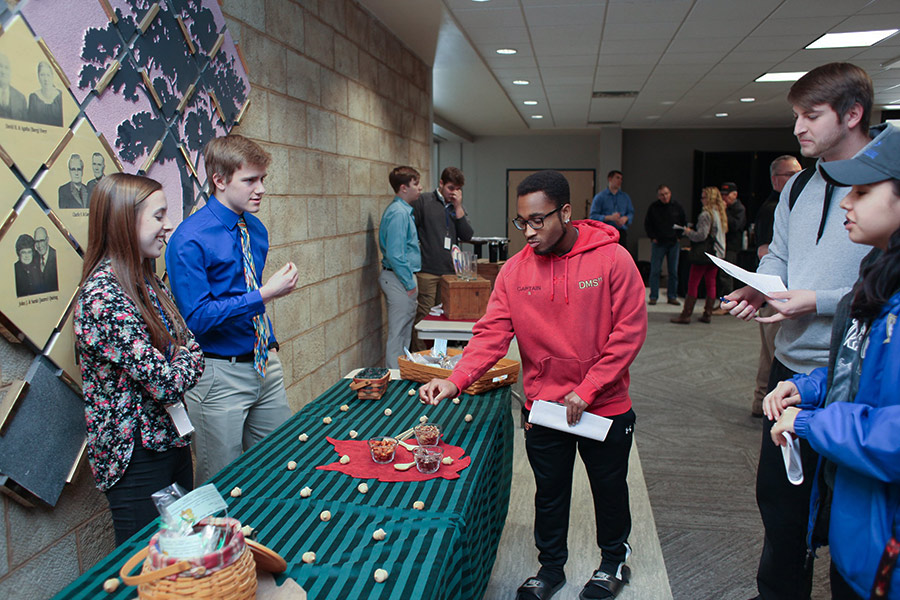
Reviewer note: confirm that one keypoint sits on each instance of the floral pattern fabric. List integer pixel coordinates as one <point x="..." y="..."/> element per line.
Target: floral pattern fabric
<point x="127" y="382"/>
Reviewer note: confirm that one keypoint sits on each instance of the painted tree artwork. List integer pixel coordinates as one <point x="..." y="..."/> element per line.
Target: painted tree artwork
<point x="156" y="81"/>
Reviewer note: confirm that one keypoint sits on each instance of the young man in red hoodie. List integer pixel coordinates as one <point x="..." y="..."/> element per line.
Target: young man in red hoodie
<point x="574" y="300"/>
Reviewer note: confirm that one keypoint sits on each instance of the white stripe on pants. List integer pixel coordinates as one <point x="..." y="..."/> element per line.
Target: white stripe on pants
<point x="401" y="309"/>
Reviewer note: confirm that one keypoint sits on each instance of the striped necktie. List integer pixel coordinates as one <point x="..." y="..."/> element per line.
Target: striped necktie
<point x="260" y="323"/>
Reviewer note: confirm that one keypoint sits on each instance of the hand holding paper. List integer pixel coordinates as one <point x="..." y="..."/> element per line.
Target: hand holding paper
<point x="553" y="415"/>
<point x="764" y="283"/>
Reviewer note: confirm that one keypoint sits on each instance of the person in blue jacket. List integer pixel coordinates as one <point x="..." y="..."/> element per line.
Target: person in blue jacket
<point x="850" y="411"/>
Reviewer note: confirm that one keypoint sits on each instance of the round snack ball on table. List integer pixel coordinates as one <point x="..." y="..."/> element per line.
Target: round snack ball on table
<point x="111" y="585"/>
<point x="456" y="400"/>
<point x="363" y="488"/>
<point x="423" y="419"/>
<point x="378" y="535"/>
<point x="353" y="434"/>
<point x="344" y="408"/>
<point x="309" y="557"/>
<point x="387" y="412"/>
<point x="419" y="505"/>
<point x="326" y="420"/>
<point x="291" y="465"/>
<point x="345" y="459"/>
<point x="469" y="418"/>
<point x="412" y="392"/>
<point x="447" y="460"/>
<point x="381" y="575"/>
<point x="235" y="492"/>
<point x="325" y="515"/>
<point x="305" y="492"/>
<point x="303" y="437"/>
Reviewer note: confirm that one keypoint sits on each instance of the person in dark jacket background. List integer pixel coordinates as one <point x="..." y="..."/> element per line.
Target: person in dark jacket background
<point x="661" y="216"/>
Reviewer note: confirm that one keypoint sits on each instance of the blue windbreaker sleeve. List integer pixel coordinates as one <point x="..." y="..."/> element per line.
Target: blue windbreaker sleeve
<point x="811" y="387"/>
<point x="856" y="436"/>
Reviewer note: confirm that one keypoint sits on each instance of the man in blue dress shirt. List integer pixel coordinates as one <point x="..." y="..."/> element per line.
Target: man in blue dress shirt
<point x="215" y="261"/>
<point x="400" y="261"/>
<point x="614" y="207"/>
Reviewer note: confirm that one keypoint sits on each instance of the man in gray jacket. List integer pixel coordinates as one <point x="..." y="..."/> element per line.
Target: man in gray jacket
<point x="818" y="263"/>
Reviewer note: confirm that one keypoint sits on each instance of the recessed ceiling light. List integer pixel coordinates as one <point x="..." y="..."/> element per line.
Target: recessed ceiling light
<point x="506" y="50"/>
<point x="748" y="99"/>
<point x="481" y="0"/>
<point x="520" y="82"/>
<point x="667" y="102"/>
<point x="720" y="115"/>
<point x="784" y="76"/>
<point x="537" y="116"/>
<point x="530" y="103"/>
<point x="851" y="39"/>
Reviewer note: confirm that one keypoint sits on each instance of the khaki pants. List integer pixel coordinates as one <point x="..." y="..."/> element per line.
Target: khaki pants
<point x="767" y="333"/>
<point x="231" y="409"/>
<point x="429" y="296"/>
<point x="401" y="310"/>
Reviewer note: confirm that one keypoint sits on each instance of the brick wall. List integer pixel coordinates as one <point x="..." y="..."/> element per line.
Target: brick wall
<point x="338" y="102"/>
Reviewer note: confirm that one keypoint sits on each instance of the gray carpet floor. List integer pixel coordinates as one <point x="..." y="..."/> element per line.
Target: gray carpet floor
<point x="693" y="487"/>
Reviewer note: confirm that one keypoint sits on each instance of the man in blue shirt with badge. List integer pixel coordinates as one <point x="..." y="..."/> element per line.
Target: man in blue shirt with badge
<point x="400" y="262"/>
<point x="614" y="207"/>
<point x="215" y="261"/>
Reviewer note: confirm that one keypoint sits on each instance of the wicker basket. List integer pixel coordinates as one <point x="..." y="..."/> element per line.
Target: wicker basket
<point x="189" y="579"/>
<point x="505" y="372"/>
<point x="371" y="383"/>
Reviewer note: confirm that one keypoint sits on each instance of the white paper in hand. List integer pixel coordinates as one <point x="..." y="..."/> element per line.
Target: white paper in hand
<point x="553" y="415"/>
<point x="791" y="454"/>
<point x="760" y="281"/>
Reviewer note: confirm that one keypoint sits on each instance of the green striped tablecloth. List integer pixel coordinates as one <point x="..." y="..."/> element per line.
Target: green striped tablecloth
<point x="443" y="552"/>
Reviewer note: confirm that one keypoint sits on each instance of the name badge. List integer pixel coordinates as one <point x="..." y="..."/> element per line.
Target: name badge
<point x="180" y="419"/>
<point x="447" y="243"/>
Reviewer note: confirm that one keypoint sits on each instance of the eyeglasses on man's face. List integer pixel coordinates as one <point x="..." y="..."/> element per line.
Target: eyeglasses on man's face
<point x="534" y="222"/>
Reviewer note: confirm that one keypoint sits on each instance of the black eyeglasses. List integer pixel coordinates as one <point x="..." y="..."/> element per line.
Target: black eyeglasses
<point x="534" y="222"/>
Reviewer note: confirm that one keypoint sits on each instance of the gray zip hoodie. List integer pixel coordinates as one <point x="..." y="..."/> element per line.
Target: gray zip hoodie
<point x="829" y="267"/>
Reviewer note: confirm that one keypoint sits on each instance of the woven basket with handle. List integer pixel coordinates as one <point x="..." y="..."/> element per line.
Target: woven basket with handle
<point x="371" y="383"/>
<point x="505" y="372"/>
<point x="181" y="579"/>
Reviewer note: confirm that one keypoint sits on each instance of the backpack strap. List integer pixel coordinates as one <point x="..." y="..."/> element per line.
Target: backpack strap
<point x="798" y="185"/>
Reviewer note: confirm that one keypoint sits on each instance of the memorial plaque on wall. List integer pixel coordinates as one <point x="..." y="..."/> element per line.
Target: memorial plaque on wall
<point x="67" y="185"/>
<point x="66" y="32"/>
<point x="43" y="270"/>
<point x="40" y="107"/>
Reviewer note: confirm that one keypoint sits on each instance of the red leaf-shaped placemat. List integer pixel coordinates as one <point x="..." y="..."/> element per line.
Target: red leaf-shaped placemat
<point x="362" y="466"/>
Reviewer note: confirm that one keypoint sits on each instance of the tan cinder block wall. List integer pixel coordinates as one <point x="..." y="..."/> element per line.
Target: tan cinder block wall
<point x="338" y="102"/>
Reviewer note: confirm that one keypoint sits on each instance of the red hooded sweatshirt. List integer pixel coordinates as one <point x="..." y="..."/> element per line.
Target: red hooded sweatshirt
<point x="580" y="321"/>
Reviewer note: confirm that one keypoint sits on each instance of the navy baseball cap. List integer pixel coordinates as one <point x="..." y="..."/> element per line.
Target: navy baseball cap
<point x="878" y="161"/>
<point x="728" y="187"/>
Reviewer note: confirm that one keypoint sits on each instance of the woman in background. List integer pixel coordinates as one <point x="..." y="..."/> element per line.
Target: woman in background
<point x="45" y="105"/>
<point x="26" y="270"/>
<point x="850" y="411"/>
<point x="709" y="236"/>
<point x="137" y="355"/>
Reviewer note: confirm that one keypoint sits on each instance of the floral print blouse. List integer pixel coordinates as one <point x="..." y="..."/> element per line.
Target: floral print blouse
<point x="127" y="382"/>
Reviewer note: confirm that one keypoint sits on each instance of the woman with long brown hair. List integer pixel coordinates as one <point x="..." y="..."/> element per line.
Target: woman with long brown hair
<point x="708" y="237"/>
<point x="137" y="355"/>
